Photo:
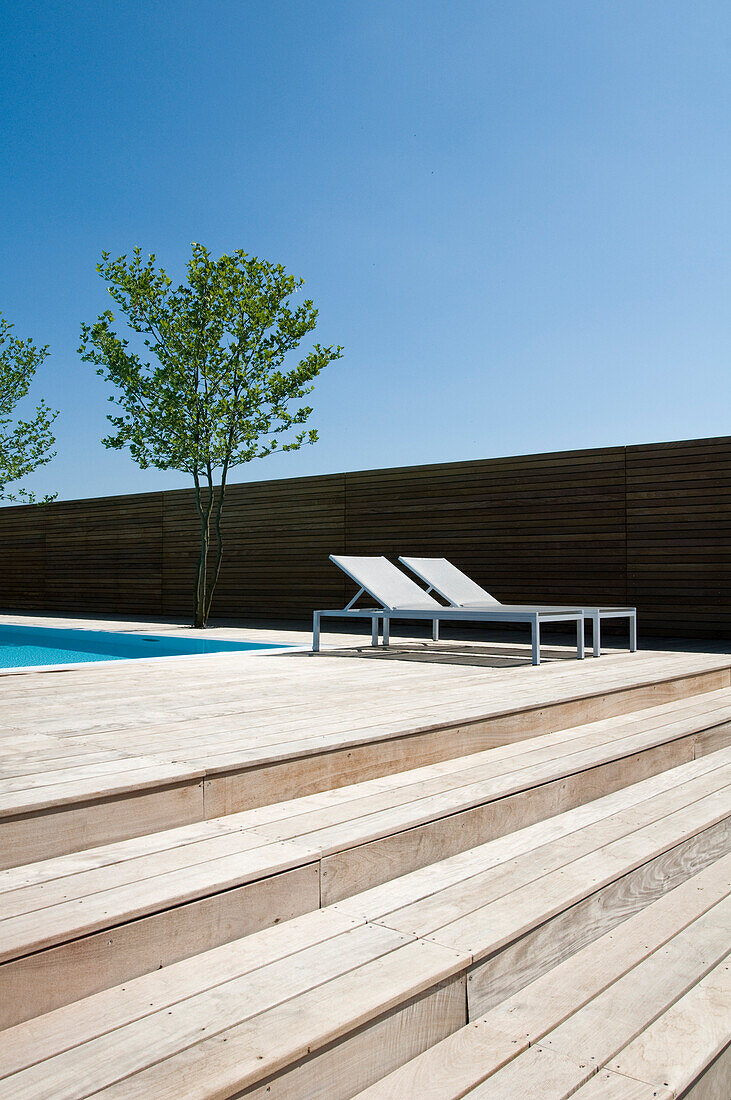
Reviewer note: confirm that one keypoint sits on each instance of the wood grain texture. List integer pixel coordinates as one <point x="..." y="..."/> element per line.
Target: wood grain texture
<point x="100" y="754"/>
<point x="678" y="535"/>
<point x="74" y="826"/>
<point x="645" y="526"/>
<point x="605" y="1085"/>
<point x="646" y="963"/>
<point x="371" y="863"/>
<point x="349" y="1066"/>
<point x="537" y="1074"/>
<point x="538" y="951"/>
<point x="363" y="997"/>
<point x="681" y="1044"/>
<point x="46" y="980"/>
<point x="713" y="1084"/>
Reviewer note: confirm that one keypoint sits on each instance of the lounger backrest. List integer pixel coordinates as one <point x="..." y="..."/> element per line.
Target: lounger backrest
<point x="450" y="582"/>
<point x="386" y="583"/>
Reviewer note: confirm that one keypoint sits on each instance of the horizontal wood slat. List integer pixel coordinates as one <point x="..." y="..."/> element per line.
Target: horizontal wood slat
<point x="679" y="536"/>
<point x="647" y="525"/>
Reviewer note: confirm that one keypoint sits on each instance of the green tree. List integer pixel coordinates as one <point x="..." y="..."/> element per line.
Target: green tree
<point x="24" y="444"/>
<point x="211" y="391"/>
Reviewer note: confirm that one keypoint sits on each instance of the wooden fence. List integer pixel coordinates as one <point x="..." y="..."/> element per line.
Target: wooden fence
<point x="648" y="526"/>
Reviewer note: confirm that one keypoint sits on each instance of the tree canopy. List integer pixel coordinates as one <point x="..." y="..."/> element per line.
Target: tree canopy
<point x="24" y="444"/>
<point x="211" y="389"/>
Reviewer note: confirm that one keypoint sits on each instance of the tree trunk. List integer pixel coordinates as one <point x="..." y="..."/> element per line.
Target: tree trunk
<point x="219" y="550"/>
<point x="200" y="618"/>
<point x="201" y="605"/>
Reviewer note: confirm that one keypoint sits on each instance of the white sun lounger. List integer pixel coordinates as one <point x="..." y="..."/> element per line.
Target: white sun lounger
<point x="398" y="597"/>
<point x="459" y="590"/>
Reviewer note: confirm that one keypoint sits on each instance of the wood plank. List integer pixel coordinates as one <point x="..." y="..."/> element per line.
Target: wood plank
<point x="148" y="903"/>
<point x="454" y="924"/>
<point x="382" y="726"/>
<point x="470" y="1055"/>
<point x="538" y="1073"/>
<point x="625" y="1011"/>
<point x="371" y="969"/>
<point x="684" y="1041"/>
<point x="609" y="886"/>
<point x="450" y="1068"/>
<point x="537" y="952"/>
<point x="392" y="1039"/>
<point x="713" y="1082"/>
<point x="31" y="874"/>
<point x="572" y="983"/>
<point x="46" y="980"/>
<point x="490" y="880"/>
<point x="56" y="1032"/>
<point x="165" y="898"/>
<point x="613" y="1086"/>
<point x="370" y="972"/>
<point x="413" y="888"/>
<point x="408" y="848"/>
<point x="30" y="837"/>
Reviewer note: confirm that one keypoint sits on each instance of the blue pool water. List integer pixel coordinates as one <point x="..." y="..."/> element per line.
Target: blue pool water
<point x="21" y="646"/>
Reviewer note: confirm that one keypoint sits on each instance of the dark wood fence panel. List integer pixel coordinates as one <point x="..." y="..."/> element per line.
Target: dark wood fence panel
<point x="649" y="526"/>
<point x="23" y="557"/>
<point x="546" y="528"/>
<point x="105" y="554"/>
<point x="679" y="536"/>
<point x="277" y="537"/>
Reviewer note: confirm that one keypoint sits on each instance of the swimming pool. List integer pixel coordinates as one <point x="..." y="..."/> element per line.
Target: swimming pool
<point x="33" y="646"/>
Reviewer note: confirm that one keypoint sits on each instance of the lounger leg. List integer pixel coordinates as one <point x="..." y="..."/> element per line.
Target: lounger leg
<point x="386" y="631"/>
<point x="596" y="635"/>
<point x="435" y="630"/>
<point x="374" y="630"/>
<point x="536" y="641"/>
<point x="580" y="639"/>
<point x="633" y="633"/>
<point x="316" y="632"/>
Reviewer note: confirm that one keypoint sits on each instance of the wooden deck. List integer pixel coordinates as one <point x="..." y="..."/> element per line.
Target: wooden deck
<point x="341" y="860"/>
<point x="104" y="753"/>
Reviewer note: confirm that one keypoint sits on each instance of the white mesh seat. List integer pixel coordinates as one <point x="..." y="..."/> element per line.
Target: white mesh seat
<point x="385" y="582"/>
<point x="451" y="583"/>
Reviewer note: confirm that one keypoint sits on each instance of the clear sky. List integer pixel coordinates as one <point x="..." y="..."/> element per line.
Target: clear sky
<point x="514" y="215"/>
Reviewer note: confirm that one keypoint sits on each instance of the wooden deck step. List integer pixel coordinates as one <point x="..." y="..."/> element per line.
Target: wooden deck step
<point x="412" y="819"/>
<point x="52" y="808"/>
<point x="48" y="809"/>
<point x="326" y="1003"/>
<point x="142" y="907"/>
<point x="645" y="1007"/>
<point x="518" y="918"/>
<point x="263" y="1000"/>
<point x="241" y="776"/>
<point x="78" y="923"/>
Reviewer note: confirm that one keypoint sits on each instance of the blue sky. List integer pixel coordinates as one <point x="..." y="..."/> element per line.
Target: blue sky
<point x="513" y="215"/>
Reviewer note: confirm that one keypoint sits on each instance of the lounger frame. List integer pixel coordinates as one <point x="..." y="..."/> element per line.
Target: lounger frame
<point x="382" y="617"/>
<point x="593" y="614"/>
